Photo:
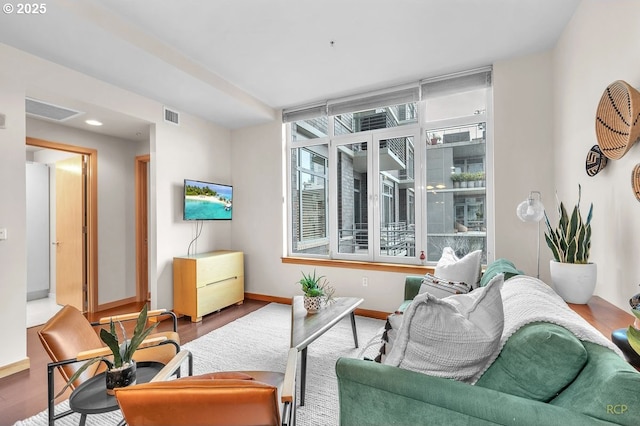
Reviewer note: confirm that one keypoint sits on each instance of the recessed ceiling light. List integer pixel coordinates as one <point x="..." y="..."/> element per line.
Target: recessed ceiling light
<point x="93" y="123"/>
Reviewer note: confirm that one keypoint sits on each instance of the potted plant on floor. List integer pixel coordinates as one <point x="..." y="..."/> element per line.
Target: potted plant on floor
<point x="572" y="275"/>
<point x="121" y="367"/>
<point x="317" y="291"/>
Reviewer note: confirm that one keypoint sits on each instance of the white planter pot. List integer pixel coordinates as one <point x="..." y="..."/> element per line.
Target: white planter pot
<point x="312" y="304"/>
<point x="574" y="282"/>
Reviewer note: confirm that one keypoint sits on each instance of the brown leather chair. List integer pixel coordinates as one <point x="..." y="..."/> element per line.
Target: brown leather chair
<point x="68" y="334"/>
<point x="225" y="398"/>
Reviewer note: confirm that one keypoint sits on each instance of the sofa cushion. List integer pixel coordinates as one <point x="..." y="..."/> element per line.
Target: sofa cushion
<point x="499" y="266"/>
<point x="537" y="362"/>
<point x="452" y="337"/>
<point x="465" y="269"/>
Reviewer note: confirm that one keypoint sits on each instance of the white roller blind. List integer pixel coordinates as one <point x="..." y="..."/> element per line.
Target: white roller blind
<point x="433" y="87"/>
<point x="304" y="113"/>
<point x="371" y="101"/>
<point x="456" y="83"/>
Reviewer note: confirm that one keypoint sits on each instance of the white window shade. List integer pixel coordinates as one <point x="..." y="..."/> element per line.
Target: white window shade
<point x="456" y="83"/>
<point x="304" y="113"/>
<point x="379" y="100"/>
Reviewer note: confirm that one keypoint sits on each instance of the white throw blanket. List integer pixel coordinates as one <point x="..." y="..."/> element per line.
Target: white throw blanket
<point x="526" y="299"/>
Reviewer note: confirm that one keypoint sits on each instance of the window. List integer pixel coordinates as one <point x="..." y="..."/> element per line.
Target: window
<point x="309" y="193"/>
<point x="380" y="177"/>
<point x="455" y="130"/>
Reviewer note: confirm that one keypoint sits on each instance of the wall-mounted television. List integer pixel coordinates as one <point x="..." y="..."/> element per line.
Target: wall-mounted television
<point x="207" y="201"/>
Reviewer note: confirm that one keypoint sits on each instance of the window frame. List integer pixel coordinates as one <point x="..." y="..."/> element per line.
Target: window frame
<point x="419" y="130"/>
<point x="289" y="147"/>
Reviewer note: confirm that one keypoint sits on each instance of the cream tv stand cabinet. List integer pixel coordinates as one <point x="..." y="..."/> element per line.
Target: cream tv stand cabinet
<point x="207" y="282"/>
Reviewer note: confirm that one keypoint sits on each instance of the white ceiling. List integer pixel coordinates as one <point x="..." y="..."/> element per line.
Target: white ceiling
<point x="234" y="62"/>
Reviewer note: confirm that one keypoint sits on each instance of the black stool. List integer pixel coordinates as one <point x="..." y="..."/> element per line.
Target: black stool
<point x="619" y="338"/>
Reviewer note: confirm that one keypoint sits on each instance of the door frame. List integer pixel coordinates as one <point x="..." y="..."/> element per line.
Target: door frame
<point x="92" y="212"/>
<point x="142" y="224"/>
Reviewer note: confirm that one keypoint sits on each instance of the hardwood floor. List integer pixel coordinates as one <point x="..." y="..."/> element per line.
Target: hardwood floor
<point x="25" y="393"/>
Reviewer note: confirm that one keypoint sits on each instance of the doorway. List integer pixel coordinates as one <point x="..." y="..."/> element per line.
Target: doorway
<point x="85" y="292"/>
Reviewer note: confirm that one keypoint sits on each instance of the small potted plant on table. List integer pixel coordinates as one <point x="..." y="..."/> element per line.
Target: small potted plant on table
<point x="317" y="291"/>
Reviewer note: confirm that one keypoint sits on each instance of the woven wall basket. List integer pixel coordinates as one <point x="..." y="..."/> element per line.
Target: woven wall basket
<point x="617" y="127"/>
<point x="596" y="161"/>
<point x="635" y="181"/>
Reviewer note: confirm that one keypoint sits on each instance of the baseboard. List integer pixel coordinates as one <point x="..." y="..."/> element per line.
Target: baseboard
<point x="15" y="367"/>
<point x="266" y="298"/>
<point x="287" y="301"/>
<point x="116" y="304"/>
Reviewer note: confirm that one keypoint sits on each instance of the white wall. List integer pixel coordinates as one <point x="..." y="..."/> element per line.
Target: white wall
<point x="523" y="159"/>
<point x="195" y="150"/>
<point x="116" y="203"/>
<point x="13" y="259"/>
<point x="38" y="245"/>
<point x="599" y="46"/>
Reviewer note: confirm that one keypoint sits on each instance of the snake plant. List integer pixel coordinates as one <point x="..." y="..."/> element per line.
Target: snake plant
<point x="570" y="241"/>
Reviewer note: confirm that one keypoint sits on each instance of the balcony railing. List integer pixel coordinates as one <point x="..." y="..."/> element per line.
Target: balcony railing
<point x="396" y="239"/>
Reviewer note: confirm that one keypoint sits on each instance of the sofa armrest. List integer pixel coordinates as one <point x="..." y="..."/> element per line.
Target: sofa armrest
<point x="377" y="394"/>
<point x="412" y="285"/>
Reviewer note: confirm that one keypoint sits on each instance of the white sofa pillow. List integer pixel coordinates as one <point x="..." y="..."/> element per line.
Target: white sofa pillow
<point x="466" y="269"/>
<point x="454" y="337"/>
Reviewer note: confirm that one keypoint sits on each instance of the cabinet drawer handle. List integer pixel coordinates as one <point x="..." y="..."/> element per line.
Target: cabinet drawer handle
<point x="220" y="281"/>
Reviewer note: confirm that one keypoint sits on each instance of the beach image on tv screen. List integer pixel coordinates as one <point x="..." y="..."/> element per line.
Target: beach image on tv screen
<point x="207" y="201"/>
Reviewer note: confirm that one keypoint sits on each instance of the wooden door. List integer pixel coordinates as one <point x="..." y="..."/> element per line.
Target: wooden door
<point x="70" y="236"/>
<point x="142" y="225"/>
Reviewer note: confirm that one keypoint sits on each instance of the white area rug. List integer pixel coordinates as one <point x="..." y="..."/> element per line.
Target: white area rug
<point x="259" y="341"/>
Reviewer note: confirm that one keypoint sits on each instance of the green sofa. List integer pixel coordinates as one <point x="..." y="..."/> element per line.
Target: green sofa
<point x="544" y="375"/>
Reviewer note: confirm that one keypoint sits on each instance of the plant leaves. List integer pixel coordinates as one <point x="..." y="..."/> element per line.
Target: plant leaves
<point x="139" y="334"/>
<point x="633" y="335"/>
<point x="570" y="241"/>
<point x="79" y="372"/>
<point x="111" y="341"/>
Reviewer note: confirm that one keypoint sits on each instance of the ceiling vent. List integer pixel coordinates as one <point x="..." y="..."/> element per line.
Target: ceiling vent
<point x="172" y="117"/>
<point x="40" y="109"/>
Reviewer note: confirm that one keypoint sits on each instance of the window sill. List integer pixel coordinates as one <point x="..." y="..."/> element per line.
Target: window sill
<point x="369" y="266"/>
